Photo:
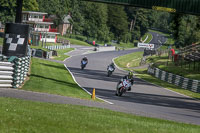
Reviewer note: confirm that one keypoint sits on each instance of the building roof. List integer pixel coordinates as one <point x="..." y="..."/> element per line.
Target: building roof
<point x="66" y="19"/>
<point x="32" y="12"/>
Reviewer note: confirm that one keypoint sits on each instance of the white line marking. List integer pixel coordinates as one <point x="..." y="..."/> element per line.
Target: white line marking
<point x="81" y="86"/>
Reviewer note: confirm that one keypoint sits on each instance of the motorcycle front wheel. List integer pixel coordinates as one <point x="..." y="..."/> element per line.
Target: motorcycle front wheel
<point x="120" y="91"/>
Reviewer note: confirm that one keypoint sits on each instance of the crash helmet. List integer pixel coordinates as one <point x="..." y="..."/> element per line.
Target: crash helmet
<point x="130" y="74"/>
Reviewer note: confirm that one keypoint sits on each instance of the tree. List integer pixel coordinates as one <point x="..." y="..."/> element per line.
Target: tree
<point x="117" y="21"/>
<point x="139" y="22"/>
<point x="30" y="5"/>
<point x="77" y="17"/>
<point x="186" y="30"/>
<point x="7" y="10"/>
<point x="95" y="17"/>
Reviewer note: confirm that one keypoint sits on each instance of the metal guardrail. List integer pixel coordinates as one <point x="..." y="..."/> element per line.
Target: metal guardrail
<point x="185" y="83"/>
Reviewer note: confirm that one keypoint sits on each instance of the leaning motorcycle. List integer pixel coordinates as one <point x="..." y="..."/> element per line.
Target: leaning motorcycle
<point x="122" y="86"/>
<point x="83" y="64"/>
<point x="110" y="71"/>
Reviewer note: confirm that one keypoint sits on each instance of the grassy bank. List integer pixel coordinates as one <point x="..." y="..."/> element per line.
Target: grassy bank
<point x="129" y="60"/>
<point x="75" y="41"/>
<point x="18" y="116"/>
<point x="185" y="71"/>
<point x="61" y="54"/>
<point x="148" y="39"/>
<point x="51" y="77"/>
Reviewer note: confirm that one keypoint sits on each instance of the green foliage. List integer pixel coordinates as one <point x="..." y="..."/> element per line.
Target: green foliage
<point x="30" y="5"/>
<point x="186" y="30"/>
<point x="117" y="21"/>
<point x="139" y="21"/>
<point x="7" y="10"/>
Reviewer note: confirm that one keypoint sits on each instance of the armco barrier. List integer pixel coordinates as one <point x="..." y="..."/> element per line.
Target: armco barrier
<point x="185" y="83"/>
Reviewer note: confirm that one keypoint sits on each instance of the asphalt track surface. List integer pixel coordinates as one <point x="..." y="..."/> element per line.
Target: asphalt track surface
<point x="144" y="99"/>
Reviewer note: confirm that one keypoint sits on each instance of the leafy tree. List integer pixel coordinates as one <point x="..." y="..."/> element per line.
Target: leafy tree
<point x="139" y="21"/>
<point x="186" y="30"/>
<point x="77" y="17"/>
<point x="117" y="21"/>
<point x="30" y="5"/>
<point x="7" y="10"/>
<point x="95" y="16"/>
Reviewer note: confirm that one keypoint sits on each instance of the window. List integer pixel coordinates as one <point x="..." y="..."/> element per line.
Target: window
<point x="41" y="26"/>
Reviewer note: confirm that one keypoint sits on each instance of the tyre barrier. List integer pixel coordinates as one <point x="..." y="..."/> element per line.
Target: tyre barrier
<point x="13" y="71"/>
<point x="21" y="69"/>
<point x="185" y="83"/>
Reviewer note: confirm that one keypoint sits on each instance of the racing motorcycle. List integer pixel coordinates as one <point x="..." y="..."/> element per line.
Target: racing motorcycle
<point x="110" y="70"/>
<point x="122" y="86"/>
<point x="83" y="64"/>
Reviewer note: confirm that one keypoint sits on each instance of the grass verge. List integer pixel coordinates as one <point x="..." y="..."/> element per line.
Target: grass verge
<point x="53" y="78"/>
<point x="75" y="41"/>
<point x="129" y="60"/>
<point x="61" y="54"/>
<point x="19" y="116"/>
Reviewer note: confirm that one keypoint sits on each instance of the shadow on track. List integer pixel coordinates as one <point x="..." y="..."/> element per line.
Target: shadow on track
<point x="150" y="99"/>
<point x="102" y="75"/>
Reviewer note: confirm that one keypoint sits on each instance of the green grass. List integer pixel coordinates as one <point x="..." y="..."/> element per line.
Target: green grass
<point x="49" y="43"/>
<point x="161" y="63"/>
<point x="148" y="39"/>
<point x="61" y="54"/>
<point x="75" y="41"/>
<point x="51" y="77"/>
<point x="133" y="59"/>
<point x="144" y="37"/>
<point x="19" y="116"/>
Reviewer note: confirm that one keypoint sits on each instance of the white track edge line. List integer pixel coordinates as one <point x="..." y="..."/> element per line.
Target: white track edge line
<point x="83" y="87"/>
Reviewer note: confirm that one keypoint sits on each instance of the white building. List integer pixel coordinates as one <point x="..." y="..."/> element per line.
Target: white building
<point x="39" y="26"/>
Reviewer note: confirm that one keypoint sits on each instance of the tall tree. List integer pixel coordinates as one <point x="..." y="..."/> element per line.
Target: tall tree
<point x="77" y="17"/>
<point x="30" y="5"/>
<point x="186" y="30"/>
<point x="7" y="10"/>
<point x="117" y="21"/>
<point x="95" y="16"/>
<point x="138" y="21"/>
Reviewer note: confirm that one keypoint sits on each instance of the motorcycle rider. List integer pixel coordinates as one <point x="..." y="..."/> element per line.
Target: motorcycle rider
<point x="84" y="59"/>
<point x="111" y="65"/>
<point x="130" y="78"/>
